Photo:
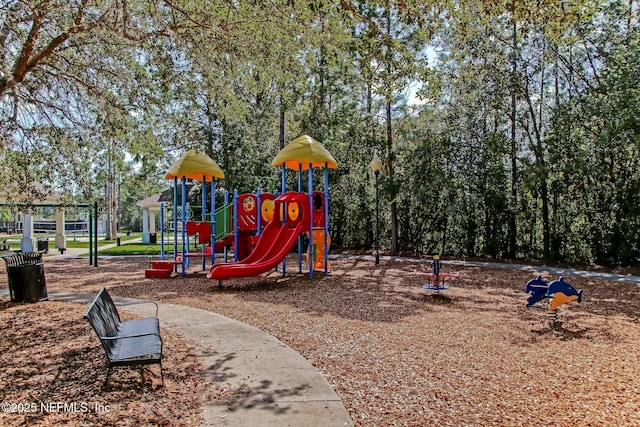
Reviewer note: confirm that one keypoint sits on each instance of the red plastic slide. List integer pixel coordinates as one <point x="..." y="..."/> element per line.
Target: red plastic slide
<point x="263" y="246"/>
<point x="275" y="242"/>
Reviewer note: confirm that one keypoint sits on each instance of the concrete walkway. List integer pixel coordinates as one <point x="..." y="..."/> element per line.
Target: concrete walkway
<point x="534" y="269"/>
<point x="566" y="272"/>
<point x="282" y="388"/>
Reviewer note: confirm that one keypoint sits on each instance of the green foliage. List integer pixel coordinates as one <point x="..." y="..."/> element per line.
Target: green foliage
<point x="136" y="249"/>
<point x="529" y="113"/>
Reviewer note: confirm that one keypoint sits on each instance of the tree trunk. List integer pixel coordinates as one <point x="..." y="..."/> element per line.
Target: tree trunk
<point x="114" y="206"/>
<point x="281" y="121"/>
<point x="395" y="247"/>
<point x="109" y="197"/>
<point x="107" y="225"/>
<point x="540" y="159"/>
<point x="544" y="185"/>
<point x="444" y="235"/>
<point x="512" y="227"/>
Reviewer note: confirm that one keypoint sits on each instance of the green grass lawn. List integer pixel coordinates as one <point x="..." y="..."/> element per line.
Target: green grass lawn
<point x="130" y="237"/>
<point x="138" y="249"/>
<point x="131" y="249"/>
<point x="85" y="244"/>
<point x="80" y="241"/>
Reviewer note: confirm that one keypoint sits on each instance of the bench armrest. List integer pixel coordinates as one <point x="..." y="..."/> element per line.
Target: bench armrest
<point x="143" y="302"/>
<point x="151" y="302"/>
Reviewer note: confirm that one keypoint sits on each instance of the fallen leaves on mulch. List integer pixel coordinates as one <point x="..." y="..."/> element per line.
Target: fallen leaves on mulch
<point x="52" y="369"/>
<point x="400" y="355"/>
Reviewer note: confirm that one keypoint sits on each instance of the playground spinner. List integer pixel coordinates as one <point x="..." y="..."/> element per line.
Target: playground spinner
<point x="436" y="279"/>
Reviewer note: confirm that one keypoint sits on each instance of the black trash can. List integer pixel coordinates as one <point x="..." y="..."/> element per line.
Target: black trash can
<point x="43" y="245"/>
<point x="14" y="278"/>
<point x="153" y="238"/>
<point x="118" y="241"/>
<point x="25" y="277"/>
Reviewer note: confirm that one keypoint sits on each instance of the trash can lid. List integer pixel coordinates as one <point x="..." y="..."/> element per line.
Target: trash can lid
<point x="13" y="260"/>
<point x="23" y="258"/>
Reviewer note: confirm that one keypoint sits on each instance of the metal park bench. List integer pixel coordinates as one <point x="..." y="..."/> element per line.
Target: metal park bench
<point x="128" y="342"/>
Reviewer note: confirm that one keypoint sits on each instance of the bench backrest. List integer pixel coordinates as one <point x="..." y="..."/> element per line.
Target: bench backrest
<point x="104" y="318"/>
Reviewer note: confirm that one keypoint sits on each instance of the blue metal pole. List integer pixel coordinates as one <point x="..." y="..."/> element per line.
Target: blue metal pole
<point x="204" y="198"/>
<point x="226" y="221"/>
<point x="175" y="221"/>
<point x="326" y="218"/>
<point x="213" y="221"/>
<point x="300" y="236"/>
<point x="310" y="220"/>
<point x="187" y="245"/>
<point x="162" y="230"/>
<point x="259" y="212"/>
<point x="284" y="179"/>
<point x="184" y="220"/>
<point x="204" y="212"/>
<point x="284" y="190"/>
<point x="235" y="225"/>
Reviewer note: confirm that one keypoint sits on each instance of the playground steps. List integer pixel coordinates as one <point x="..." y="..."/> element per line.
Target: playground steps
<point x="160" y="269"/>
<point x="156" y="272"/>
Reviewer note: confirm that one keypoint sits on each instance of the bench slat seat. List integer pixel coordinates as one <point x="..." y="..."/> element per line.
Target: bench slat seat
<point x="133" y="327"/>
<point x="139" y="349"/>
<point x="125" y="342"/>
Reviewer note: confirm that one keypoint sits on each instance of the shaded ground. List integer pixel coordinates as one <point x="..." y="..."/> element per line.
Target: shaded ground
<point x="52" y="370"/>
<point x="400" y="355"/>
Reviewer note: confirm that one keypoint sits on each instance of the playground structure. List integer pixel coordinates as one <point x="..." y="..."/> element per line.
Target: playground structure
<point x="199" y="167"/>
<point x="558" y="292"/>
<point x="436" y="279"/>
<point x="263" y="227"/>
<point x="294" y="213"/>
<point x="251" y="213"/>
<point x="276" y="241"/>
<point x="237" y="224"/>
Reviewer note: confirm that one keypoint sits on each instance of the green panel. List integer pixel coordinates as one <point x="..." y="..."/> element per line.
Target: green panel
<point x="224" y="221"/>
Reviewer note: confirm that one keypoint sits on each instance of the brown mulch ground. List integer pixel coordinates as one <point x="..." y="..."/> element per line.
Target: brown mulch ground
<point x="52" y="371"/>
<point x="396" y="353"/>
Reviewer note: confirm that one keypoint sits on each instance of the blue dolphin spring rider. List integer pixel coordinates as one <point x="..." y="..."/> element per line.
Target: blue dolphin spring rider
<point x="559" y="292"/>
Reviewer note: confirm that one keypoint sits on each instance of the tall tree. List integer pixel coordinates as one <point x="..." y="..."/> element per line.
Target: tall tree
<point x="65" y="63"/>
<point x="392" y="45"/>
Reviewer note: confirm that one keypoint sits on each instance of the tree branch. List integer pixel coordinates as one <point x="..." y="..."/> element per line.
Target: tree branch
<point x="20" y="67"/>
<point x="27" y="60"/>
<point x="350" y="8"/>
<point x="186" y="14"/>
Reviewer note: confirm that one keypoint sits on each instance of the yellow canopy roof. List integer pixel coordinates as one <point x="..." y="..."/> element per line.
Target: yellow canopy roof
<point x="303" y="151"/>
<point x="194" y="165"/>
